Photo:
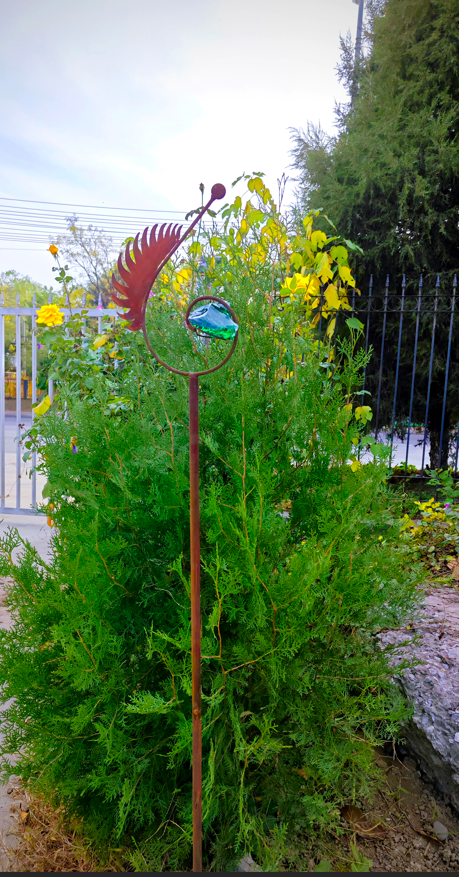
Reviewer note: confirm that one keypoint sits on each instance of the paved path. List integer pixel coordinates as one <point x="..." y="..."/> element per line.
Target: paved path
<point x="36" y="531"/>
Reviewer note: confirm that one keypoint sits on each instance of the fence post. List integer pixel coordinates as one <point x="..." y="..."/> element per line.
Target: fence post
<point x="18" y="404"/>
<point x="402" y="306"/>
<point x="2" y="404"/>
<point x="418" y="311"/>
<point x="381" y="361"/>
<point x="429" y="381"/>
<point x="370" y="290"/>
<point x="34" y="394"/>
<point x="448" y="355"/>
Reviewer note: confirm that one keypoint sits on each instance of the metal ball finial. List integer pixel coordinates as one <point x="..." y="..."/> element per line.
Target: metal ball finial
<point x="218" y="192"/>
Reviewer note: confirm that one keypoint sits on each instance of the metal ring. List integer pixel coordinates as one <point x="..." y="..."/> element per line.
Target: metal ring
<point x="208" y="371"/>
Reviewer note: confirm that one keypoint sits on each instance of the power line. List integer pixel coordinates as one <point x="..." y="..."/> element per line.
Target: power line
<point x="20" y="224"/>
<point x="91" y="206"/>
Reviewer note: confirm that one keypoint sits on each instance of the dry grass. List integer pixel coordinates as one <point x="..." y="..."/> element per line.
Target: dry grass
<point x="48" y="843"/>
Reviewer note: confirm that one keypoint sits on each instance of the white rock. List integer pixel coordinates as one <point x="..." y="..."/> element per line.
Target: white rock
<point x="440" y="830"/>
<point x="247" y="864"/>
<point x="435" y="698"/>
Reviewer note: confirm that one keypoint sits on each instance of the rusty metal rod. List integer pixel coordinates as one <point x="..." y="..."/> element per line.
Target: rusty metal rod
<point x="139" y="275"/>
<point x="195" y="622"/>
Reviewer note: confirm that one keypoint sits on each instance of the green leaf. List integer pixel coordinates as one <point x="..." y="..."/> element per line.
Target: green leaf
<point x="296" y="259"/>
<point x="339" y="253"/>
<point x="363" y="866"/>
<point x="49" y="337"/>
<point x="324" y="865"/>
<point x="354" y="247"/>
<point x="354" y="323"/>
<point x="379" y="448"/>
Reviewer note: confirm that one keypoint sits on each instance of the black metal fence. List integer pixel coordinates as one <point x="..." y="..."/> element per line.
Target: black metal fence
<point x="412" y="377"/>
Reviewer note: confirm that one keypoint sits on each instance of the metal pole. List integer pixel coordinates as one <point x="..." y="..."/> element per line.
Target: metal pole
<point x="2" y="406"/>
<point x="18" y="406"/>
<point x="195" y="623"/>
<point x="358" y="49"/>
<point x="429" y="382"/>
<point x="397" y="367"/>
<point x="99" y="321"/>
<point x="413" y="376"/>
<point x="370" y="290"/>
<point x="453" y="302"/>
<point x="34" y="395"/>
<point x="140" y="275"/>
<point x="381" y="360"/>
<point x="358" y="41"/>
<point x="50" y="381"/>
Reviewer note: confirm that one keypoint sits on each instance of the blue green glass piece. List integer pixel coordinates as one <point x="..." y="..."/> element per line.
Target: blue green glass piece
<point x="215" y="320"/>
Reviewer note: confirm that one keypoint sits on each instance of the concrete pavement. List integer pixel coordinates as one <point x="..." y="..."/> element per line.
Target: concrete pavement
<point x="37" y="532"/>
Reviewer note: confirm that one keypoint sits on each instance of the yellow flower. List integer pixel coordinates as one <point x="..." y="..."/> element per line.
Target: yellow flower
<point x="50" y="315"/>
<point x="53" y="249"/>
<point x="100" y="341"/>
<point x="43" y="407"/>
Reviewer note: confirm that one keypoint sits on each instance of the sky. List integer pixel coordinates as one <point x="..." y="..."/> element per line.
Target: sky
<point x="135" y="104"/>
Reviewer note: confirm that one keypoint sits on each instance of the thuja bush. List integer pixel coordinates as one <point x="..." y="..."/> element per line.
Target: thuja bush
<point x="298" y="569"/>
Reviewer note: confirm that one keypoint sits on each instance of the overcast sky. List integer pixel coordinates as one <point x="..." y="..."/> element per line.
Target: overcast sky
<point x="133" y="104"/>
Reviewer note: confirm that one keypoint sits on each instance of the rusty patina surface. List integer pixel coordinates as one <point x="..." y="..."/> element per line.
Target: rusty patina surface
<point x="150" y="253"/>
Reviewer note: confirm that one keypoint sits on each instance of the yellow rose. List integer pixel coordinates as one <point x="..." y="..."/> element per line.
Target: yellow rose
<point x="50" y="315"/>
<point x="53" y="249"/>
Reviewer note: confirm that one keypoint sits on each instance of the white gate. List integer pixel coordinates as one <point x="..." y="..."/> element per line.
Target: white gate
<point x="20" y="485"/>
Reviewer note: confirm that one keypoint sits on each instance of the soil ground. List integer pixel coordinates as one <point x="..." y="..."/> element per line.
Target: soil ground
<point x="395" y="832"/>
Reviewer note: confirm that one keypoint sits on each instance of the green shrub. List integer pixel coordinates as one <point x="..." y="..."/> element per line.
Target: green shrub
<point x="296" y="580"/>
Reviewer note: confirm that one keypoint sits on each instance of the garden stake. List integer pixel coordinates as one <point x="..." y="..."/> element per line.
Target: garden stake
<point x="217" y="321"/>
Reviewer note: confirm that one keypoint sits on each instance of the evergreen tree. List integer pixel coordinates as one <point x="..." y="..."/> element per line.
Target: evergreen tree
<point x="391" y="178"/>
<point x="295" y="682"/>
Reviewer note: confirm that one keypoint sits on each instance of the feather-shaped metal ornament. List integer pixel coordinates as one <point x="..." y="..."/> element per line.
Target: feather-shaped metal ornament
<point x="141" y="267"/>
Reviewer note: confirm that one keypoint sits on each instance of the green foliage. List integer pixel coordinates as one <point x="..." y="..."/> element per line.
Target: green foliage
<point x="296" y="580"/>
<point x="324" y="865"/>
<point x="14" y="286"/>
<point x="432" y="529"/>
<point x="89" y="253"/>
<point x="391" y="180"/>
<point x="359" y="862"/>
<point x="17" y="289"/>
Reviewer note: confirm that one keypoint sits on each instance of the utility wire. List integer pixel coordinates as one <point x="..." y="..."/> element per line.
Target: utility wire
<point x="23" y="224"/>
<point x="91" y="206"/>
